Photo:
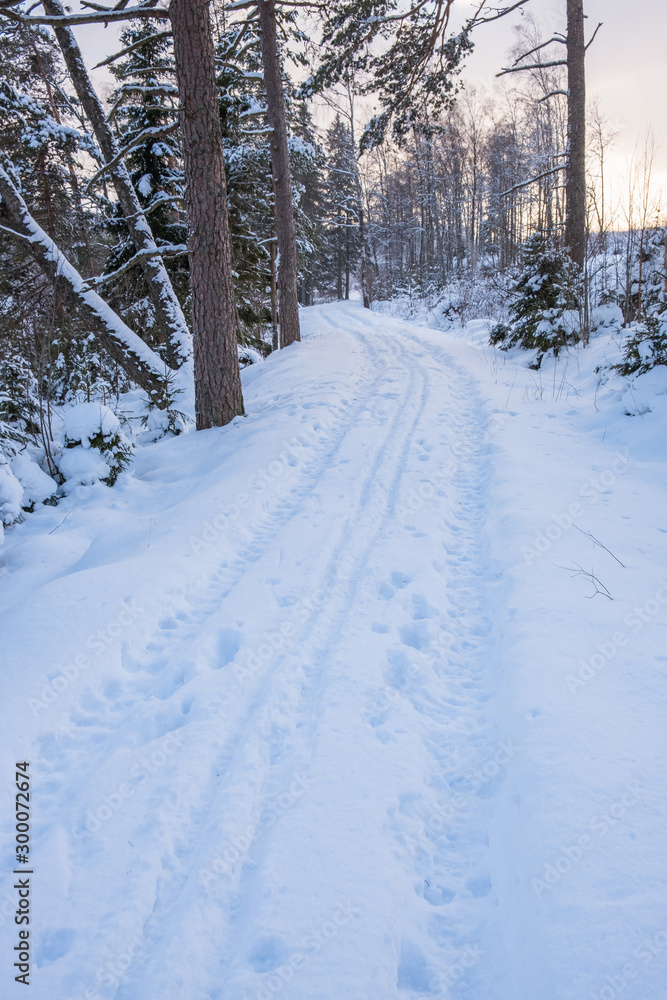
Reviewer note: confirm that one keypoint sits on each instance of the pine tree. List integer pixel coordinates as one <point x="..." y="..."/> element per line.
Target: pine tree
<point x="545" y="310"/>
<point x="145" y="113"/>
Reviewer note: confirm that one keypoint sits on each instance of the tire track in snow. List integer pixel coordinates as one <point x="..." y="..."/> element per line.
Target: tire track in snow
<point x="169" y="895"/>
<point x="274" y="719"/>
<point x="299" y="689"/>
<point x="449" y="842"/>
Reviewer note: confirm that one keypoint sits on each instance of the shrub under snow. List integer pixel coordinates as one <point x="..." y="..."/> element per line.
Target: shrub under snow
<point x="95" y="447"/>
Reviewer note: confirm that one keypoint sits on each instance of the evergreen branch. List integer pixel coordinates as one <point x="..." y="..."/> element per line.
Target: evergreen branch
<point x="142" y="70"/>
<point x="163" y="91"/>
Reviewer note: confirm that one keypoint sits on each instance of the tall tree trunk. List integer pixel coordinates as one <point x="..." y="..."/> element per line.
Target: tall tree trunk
<point x="275" y="104"/>
<point x="365" y="261"/>
<point x="275" y="341"/>
<point x="218" y="396"/>
<point x="575" y="222"/>
<point x="168" y="313"/>
<point x="365" y="272"/>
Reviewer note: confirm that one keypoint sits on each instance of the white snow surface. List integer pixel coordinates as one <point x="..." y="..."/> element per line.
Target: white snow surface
<point x="84" y="421"/>
<point x="83" y="465"/>
<point x="322" y="705"/>
<point x="37" y="485"/>
<point x="11" y="494"/>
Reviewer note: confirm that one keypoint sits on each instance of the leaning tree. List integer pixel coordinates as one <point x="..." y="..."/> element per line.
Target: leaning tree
<point x="218" y="395"/>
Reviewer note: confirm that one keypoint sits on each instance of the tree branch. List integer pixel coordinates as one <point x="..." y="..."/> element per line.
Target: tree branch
<point x="537" y="48"/>
<point x="533" y="180"/>
<point x="131" y="48"/>
<point x="594" y="35"/>
<point x="554" y="93"/>
<point x="161" y="13"/>
<point x="177" y="250"/>
<point x="134" y="356"/>
<point x="520" y="69"/>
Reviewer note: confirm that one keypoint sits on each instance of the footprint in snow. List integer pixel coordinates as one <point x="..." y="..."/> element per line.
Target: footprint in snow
<point x="228" y="645"/>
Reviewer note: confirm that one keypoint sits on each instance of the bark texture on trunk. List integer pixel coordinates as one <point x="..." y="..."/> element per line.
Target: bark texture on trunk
<point x="275" y="103"/>
<point x="168" y="313"/>
<point x="575" y="223"/>
<point x="218" y="395"/>
<point x="122" y="344"/>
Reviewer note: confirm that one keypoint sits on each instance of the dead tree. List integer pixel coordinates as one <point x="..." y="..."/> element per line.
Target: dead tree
<point x="575" y="221"/>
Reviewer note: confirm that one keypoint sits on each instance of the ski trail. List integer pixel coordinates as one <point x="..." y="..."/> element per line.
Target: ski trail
<point x="439" y="689"/>
<point x="364" y="677"/>
<point x="346" y="559"/>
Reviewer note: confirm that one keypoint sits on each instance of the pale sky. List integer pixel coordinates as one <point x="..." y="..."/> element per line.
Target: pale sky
<point x="627" y="67"/>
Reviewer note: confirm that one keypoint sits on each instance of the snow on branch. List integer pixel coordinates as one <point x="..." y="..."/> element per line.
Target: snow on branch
<point x="520" y="69"/>
<point x="133" y="355"/>
<point x="174" y="250"/>
<point x="554" y="93"/>
<point x="533" y="180"/>
<point x="67" y="20"/>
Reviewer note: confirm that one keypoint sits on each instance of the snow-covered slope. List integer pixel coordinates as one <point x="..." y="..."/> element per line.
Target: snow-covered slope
<point x="321" y="705"/>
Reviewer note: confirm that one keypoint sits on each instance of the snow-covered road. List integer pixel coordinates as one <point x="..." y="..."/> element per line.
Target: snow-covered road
<point x="309" y="701"/>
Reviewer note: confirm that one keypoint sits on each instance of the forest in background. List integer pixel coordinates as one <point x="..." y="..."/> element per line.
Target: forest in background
<point x="444" y="199"/>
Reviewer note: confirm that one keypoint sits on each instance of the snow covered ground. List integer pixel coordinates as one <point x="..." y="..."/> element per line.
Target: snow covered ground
<point x="325" y="704"/>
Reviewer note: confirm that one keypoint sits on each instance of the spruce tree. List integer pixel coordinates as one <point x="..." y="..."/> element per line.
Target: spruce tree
<point x="546" y="301"/>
